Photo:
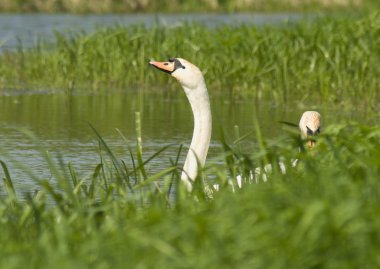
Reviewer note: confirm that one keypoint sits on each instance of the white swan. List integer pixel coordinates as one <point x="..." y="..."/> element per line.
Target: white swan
<point x="192" y="81"/>
<point x="310" y="126"/>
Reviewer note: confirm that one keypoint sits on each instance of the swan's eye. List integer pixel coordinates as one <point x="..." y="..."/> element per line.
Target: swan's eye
<point x="177" y="63"/>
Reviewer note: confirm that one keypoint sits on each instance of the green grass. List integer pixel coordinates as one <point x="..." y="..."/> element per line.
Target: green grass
<point x="331" y="60"/>
<point x="322" y="214"/>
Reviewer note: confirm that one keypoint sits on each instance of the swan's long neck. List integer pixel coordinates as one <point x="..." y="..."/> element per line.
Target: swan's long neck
<point x="200" y="104"/>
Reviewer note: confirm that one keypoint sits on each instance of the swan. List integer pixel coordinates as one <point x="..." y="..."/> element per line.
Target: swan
<point x="309" y="125"/>
<point x="193" y="83"/>
<point x="194" y="86"/>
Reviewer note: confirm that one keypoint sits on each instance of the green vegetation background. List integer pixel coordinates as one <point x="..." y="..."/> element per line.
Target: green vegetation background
<point x="325" y="213"/>
<point x="325" y="59"/>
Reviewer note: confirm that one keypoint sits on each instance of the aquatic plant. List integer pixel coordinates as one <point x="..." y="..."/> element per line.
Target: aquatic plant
<point x="328" y="205"/>
<point x="321" y="214"/>
<point x="330" y="60"/>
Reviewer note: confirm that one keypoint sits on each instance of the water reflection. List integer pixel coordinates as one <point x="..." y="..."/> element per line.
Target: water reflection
<point x="61" y="123"/>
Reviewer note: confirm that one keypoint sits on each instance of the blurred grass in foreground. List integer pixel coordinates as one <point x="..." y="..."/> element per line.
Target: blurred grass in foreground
<point x="326" y="59"/>
<point x="322" y="214"/>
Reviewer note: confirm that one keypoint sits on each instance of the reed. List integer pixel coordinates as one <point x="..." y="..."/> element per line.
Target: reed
<point x="321" y="214"/>
<point x="331" y="60"/>
<point x="329" y="204"/>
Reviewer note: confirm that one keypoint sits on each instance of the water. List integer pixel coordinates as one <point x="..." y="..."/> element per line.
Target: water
<point x="60" y="122"/>
<point x="61" y="125"/>
<point x="28" y="29"/>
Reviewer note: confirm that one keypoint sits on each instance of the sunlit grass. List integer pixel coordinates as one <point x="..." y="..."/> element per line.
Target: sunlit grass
<point x="322" y="213"/>
<point x="326" y="60"/>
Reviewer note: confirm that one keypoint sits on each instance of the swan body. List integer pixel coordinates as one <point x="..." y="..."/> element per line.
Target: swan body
<point x="310" y="126"/>
<point x="194" y="86"/>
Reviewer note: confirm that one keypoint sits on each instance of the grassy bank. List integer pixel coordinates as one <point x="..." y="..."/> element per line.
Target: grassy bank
<point x="118" y="6"/>
<point x="322" y="214"/>
<point x="326" y="60"/>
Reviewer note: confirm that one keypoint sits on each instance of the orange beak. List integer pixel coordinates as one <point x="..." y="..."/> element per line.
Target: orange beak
<point x="167" y="67"/>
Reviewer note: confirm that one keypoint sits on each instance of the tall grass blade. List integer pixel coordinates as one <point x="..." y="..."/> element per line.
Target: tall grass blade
<point x="8" y="182"/>
<point x="121" y="175"/>
<point x="140" y="167"/>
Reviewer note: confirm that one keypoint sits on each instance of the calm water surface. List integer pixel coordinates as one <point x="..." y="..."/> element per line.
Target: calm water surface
<point x="28" y="29"/>
<point x="61" y="124"/>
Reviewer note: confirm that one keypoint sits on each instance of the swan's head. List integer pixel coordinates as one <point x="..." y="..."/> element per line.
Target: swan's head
<point x="185" y="72"/>
<point x="310" y="126"/>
